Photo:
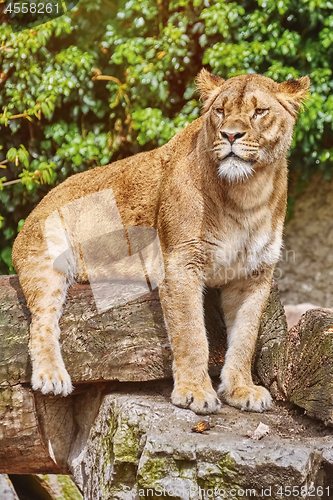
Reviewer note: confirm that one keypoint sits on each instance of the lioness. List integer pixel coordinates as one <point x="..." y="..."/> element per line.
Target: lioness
<point x="216" y="194"/>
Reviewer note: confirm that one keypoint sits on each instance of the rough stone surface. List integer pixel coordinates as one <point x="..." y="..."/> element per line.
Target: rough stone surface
<point x="7" y="491"/>
<point x="141" y="446"/>
<point x="40" y="487"/>
<point x="306" y="268"/>
<point x="127" y="343"/>
<point x="61" y="487"/>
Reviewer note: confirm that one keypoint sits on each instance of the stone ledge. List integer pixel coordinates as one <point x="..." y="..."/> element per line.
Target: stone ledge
<point x="141" y="446"/>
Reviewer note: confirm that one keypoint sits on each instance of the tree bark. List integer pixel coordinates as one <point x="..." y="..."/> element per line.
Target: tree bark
<point x="297" y="366"/>
<point x="126" y="343"/>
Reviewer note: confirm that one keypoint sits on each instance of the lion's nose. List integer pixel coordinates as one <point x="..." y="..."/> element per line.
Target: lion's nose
<point x="232" y="136"/>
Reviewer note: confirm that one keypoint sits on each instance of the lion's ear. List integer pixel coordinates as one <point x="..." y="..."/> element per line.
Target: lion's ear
<point x="206" y="83"/>
<point x="293" y="92"/>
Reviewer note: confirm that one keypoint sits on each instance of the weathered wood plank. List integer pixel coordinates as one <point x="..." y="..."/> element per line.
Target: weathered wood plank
<point x="298" y="366"/>
<point x="21" y="442"/>
<point x="126" y="343"/>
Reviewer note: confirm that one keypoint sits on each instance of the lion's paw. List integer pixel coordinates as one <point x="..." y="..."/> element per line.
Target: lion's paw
<point x="196" y="398"/>
<point x="249" y="398"/>
<point x="50" y="379"/>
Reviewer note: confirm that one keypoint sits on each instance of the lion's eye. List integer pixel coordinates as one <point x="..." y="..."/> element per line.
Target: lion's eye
<point x="260" y="111"/>
<point x="220" y="110"/>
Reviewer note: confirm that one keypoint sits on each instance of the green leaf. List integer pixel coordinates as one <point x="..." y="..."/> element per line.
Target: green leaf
<point x="6" y="256"/>
<point x="20" y="225"/>
<point x="11" y="154"/>
<point x="23" y="156"/>
<point x="77" y="159"/>
<point x="45" y="108"/>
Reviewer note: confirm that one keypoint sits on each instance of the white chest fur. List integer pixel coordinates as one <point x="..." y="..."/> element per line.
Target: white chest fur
<point x="241" y="252"/>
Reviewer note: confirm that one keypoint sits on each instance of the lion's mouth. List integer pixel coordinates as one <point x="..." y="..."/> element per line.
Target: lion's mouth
<point x="237" y="157"/>
<point x="232" y="155"/>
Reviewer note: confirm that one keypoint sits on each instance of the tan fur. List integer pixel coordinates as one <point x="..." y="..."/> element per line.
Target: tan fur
<point x="219" y="220"/>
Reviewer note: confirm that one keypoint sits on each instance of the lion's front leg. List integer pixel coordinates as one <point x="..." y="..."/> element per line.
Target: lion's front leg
<point x="243" y="302"/>
<point x="182" y="303"/>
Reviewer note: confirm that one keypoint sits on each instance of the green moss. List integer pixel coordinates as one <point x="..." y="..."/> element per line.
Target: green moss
<point x="221" y="476"/>
<point x="152" y="471"/>
<point x="121" y="444"/>
<point x="69" y="490"/>
<point x="126" y="442"/>
<point x="67" y="487"/>
<point x="106" y="452"/>
<point x="6" y="397"/>
<point x="120" y="448"/>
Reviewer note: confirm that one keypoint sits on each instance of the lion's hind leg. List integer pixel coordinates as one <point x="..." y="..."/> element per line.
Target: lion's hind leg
<point x="45" y="291"/>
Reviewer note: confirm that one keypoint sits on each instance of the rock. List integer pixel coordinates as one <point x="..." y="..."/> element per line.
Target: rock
<point x="124" y="441"/>
<point x="60" y="487"/>
<point x="127" y="343"/>
<point x="41" y="487"/>
<point x="140" y="446"/>
<point x="7" y="491"/>
<point x="260" y="432"/>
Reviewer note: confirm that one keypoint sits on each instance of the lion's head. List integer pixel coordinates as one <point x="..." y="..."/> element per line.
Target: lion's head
<point x="249" y="120"/>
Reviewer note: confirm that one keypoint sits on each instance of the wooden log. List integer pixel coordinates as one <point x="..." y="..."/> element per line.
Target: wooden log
<point x="298" y="366"/>
<point x="38" y="433"/>
<point x="21" y="442"/>
<point x="126" y="343"/>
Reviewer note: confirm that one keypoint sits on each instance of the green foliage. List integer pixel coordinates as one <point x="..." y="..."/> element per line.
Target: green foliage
<point x="103" y="82"/>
